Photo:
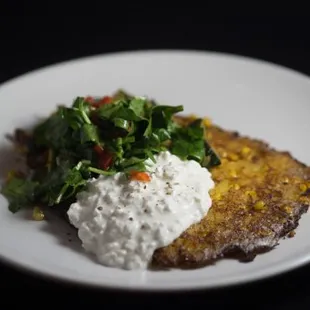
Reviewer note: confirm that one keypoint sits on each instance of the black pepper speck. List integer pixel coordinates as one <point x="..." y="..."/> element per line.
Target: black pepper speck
<point x="130" y="219"/>
<point x="99" y="208"/>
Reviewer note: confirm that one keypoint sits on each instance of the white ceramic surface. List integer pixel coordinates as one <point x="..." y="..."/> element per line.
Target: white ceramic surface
<point x="258" y="99"/>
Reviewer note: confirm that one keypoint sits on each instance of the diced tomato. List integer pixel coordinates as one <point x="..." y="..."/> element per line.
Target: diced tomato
<point x="140" y="176"/>
<point x="105" y="100"/>
<point x="105" y="157"/>
<point x="89" y="99"/>
<point x="98" y="149"/>
<point x="105" y="160"/>
<point x="102" y="101"/>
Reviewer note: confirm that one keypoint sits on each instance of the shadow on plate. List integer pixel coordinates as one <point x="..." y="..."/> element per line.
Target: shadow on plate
<point x="55" y="223"/>
<point x="65" y="234"/>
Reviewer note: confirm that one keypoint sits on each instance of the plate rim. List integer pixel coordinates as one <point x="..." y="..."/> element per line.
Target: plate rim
<point x="191" y="52"/>
<point x="279" y="270"/>
<point x="49" y="276"/>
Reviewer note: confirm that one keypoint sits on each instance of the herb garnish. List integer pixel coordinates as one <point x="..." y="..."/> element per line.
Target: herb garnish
<point x="101" y="137"/>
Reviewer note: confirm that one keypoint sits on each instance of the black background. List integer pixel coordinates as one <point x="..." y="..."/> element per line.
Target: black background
<point x="29" y="42"/>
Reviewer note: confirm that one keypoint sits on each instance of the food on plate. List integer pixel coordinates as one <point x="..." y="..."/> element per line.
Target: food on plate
<point x="123" y="222"/>
<point x="258" y="198"/>
<point x="145" y="186"/>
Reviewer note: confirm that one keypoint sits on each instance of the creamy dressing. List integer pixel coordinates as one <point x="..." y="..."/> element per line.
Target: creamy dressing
<point x="124" y="221"/>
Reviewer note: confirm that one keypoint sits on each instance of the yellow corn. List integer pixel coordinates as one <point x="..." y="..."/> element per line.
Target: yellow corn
<point x="236" y="186"/>
<point x="207" y="122"/>
<point x="288" y="209"/>
<point x="245" y="150"/>
<point x="233" y="157"/>
<point x="286" y="180"/>
<point x="252" y="194"/>
<point x="37" y="214"/>
<point x="303" y="187"/>
<point x="223" y="154"/>
<point x="217" y="196"/>
<point x="259" y="205"/>
<point x="233" y="173"/>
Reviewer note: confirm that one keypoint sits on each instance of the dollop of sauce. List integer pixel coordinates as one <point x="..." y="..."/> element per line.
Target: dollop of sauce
<point x="124" y="221"/>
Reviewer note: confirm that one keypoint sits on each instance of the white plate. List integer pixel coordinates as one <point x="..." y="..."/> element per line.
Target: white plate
<point x="255" y="98"/>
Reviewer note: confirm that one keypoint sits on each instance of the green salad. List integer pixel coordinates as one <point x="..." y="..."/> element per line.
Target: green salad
<point x="100" y="136"/>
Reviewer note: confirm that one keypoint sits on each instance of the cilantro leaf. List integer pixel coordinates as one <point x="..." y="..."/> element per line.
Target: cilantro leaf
<point x="83" y="108"/>
<point x="107" y="111"/>
<point x="122" y="123"/>
<point x="137" y="105"/>
<point x="73" y="180"/>
<point x="88" y="133"/>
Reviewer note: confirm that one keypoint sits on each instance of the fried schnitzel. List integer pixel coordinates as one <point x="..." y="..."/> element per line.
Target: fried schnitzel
<point x="259" y="197"/>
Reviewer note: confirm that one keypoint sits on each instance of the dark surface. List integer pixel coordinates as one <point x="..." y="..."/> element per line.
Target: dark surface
<point x="31" y="42"/>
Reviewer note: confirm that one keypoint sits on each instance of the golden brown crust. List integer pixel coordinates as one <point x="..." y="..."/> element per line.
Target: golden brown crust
<point x="259" y="196"/>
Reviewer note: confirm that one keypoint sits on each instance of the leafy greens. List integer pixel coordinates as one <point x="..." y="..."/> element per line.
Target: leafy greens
<point x="86" y="140"/>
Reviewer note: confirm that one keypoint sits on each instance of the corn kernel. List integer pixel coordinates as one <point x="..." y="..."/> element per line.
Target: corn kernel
<point x="207" y="122"/>
<point x="286" y="180"/>
<point x="233" y="157"/>
<point x="308" y="184"/>
<point x="37" y="214"/>
<point x="259" y="205"/>
<point x="252" y="194"/>
<point x="217" y="196"/>
<point x="245" y="150"/>
<point x="223" y="154"/>
<point x="236" y="186"/>
<point x="303" y="187"/>
<point x="288" y="209"/>
<point x="233" y="173"/>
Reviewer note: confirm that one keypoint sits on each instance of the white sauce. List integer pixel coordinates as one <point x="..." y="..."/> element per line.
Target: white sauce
<point x="123" y="222"/>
